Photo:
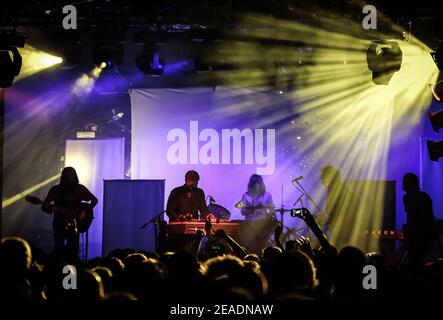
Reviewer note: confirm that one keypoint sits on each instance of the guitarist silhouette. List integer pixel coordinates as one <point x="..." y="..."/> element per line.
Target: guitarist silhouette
<point x="420" y="230"/>
<point x="69" y="201"/>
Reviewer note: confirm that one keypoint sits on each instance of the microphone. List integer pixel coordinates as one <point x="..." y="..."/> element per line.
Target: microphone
<point x="211" y="199"/>
<point x="298" y="179"/>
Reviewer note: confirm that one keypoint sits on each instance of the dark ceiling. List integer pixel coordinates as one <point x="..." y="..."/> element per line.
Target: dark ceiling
<point x="212" y="17"/>
<point x="204" y="12"/>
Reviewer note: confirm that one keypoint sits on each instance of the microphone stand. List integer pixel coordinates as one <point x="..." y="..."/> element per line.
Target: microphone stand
<point x="282" y="209"/>
<point x="155" y="220"/>
<point x="308" y="196"/>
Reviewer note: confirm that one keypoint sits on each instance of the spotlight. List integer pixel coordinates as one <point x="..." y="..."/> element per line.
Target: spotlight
<point x="10" y="65"/>
<point x="107" y="55"/>
<point x="10" y="58"/>
<point x="438" y="57"/>
<point x="150" y="62"/>
<point x="11" y="39"/>
<point x="435" y="150"/>
<point x="384" y="58"/>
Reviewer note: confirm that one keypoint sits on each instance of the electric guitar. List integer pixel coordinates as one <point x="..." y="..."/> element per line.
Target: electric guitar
<point x="80" y="220"/>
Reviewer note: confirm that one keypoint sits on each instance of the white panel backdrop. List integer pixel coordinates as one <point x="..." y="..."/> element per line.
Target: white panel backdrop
<point x="159" y="116"/>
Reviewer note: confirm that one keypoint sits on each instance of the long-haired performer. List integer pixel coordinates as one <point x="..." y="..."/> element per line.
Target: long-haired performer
<point x="68" y="198"/>
<point x="256" y="202"/>
<point x="258" y="208"/>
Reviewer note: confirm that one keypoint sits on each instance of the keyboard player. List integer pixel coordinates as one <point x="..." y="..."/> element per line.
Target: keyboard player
<point x="187" y="201"/>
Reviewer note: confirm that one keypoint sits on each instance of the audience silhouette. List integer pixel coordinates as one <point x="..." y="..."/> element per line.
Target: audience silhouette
<point x="290" y="271"/>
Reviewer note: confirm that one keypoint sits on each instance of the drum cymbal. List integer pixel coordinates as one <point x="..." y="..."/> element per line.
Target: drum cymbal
<point x="219" y="212"/>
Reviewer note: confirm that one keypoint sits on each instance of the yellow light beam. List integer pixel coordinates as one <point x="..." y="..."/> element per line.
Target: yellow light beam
<point x="34" y="61"/>
<point x="351" y="120"/>
<point x="85" y="83"/>
<point x="21" y="195"/>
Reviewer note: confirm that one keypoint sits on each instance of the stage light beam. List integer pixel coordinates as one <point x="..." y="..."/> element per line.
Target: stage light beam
<point x="359" y="119"/>
<point x="85" y="83"/>
<point x="21" y="195"/>
<point x="35" y="60"/>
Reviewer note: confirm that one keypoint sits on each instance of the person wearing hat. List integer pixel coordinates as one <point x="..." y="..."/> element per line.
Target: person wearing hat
<point x="187" y="201"/>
